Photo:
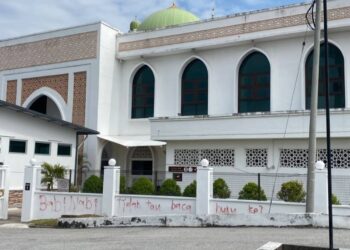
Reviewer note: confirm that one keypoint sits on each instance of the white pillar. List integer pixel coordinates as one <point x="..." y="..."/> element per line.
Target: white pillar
<point x="111" y="180"/>
<point x="5" y="186"/>
<point x="204" y="188"/>
<point x="29" y="188"/>
<point x="321" y="189"/>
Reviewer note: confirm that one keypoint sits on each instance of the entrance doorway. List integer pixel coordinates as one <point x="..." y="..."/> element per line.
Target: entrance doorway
<point x="142" y="163"/>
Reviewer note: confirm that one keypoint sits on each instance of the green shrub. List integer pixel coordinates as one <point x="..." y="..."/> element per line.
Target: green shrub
<point x="143" y="185"/>
<point x="250" y="191"/>
<point x="220" y="189"/>
<point x="335" y="200"/>
<point x="292" y="191"/>
<point x="93" y="184"/>
<point x="191" y="190"/>
<point x="170" y="188"/>
<point x="122" y="185"/>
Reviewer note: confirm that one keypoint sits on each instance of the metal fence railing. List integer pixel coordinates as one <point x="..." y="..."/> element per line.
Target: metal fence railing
<point x="270" y="183"/>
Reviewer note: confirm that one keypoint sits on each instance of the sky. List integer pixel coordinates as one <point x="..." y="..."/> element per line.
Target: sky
<point x="23" y="17"/>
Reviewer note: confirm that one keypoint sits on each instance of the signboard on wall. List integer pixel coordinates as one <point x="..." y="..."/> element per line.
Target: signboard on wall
<point x="177" y="176"/>
<point x="182" y="169"/>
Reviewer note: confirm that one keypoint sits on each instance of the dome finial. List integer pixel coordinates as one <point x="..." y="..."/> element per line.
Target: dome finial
<point x="173" y="5"/>
<point x="134" y="25"/>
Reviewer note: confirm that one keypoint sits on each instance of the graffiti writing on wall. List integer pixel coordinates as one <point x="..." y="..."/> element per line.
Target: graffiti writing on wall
<point x="255" y="209"/>
<point x="222" y="208"/>
<point x="68" y="203"/>
<point x="225" y="209"/>
<point x="130" y="204"/>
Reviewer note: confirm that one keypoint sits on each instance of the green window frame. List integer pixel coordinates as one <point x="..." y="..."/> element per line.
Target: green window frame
<point x="143" y="94"/>
<point x="64" y="150"/>
<point x="254" y="84"/>
<point x="336" y="79"/>
<point x="18" y="146"/>
<point x="194" y="89"/>
<point x="42" y="148"/>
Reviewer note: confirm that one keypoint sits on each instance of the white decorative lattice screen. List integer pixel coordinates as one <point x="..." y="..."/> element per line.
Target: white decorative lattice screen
<point x="216" y="157"/>
<point x="293" y="158"/>
<point x="340" y="157"/>
<point x="256" y="157"/>
<point x="298" y="158"/>
<point x="142" y="153"/>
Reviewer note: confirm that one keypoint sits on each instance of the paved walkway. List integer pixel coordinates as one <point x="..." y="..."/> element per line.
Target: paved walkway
<point x="14" y="219"/>
<point x="165" y="238"/>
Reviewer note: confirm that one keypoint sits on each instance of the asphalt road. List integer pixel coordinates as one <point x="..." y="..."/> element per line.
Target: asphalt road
<point x="165" y="238"/>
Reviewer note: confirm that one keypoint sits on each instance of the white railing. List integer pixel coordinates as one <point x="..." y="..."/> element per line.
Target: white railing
<point x="4" y="192"/>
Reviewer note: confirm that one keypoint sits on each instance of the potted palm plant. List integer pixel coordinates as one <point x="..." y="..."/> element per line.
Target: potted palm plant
<point x="52" y="173"/>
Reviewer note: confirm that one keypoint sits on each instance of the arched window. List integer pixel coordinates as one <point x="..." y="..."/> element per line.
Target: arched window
<point x="254" y="84"/>
<point x="143" y="93"/>
<point x="45" y="105"/>
<point x="194" y="89"/>
<point x="336" y="79"/>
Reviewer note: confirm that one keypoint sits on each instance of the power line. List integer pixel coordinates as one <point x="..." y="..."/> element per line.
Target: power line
<point x="311" y="24"/>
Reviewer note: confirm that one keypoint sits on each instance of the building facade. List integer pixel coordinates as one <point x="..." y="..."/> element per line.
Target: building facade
<point x="176" y="89"/>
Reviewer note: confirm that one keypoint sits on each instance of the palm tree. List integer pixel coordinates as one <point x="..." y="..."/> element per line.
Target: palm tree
<point x="51" y="173"/>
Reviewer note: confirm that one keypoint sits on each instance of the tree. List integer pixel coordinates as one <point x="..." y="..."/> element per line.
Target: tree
<point x="52" y="173"/>
<point x="93" y="184"/>
<point x="220" y="189"/>
<point x="83" y="167"/>
<point x="191" y="190"/>
<point x="292" y="191"/>
<point x="170" y="188"/>
<point x="251" y="191"/>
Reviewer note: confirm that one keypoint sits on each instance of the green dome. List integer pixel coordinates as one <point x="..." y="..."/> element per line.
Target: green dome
<point x="134" y="25"/>
<point x="168" y="17"/>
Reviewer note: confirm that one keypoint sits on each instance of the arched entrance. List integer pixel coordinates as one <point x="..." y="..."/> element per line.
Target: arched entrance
<point x="45" y="105"/>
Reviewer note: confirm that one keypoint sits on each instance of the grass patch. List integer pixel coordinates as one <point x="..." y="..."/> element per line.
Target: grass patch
<point x="44" y="223"/>
<point x="80" y="216"/>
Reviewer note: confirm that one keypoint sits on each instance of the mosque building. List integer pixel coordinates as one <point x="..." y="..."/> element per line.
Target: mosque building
<point x="176" y="89"/>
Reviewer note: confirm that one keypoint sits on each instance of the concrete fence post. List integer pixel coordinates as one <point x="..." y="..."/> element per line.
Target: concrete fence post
<point x="321" y="188"/>
<point x="4" y="185"/>
<point x="29" y="188"/>
<point x="111" y="180"/>
<point x="204" y="188"/>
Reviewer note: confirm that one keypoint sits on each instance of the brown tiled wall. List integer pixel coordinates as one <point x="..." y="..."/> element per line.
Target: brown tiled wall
<point x="15" y="198"/>
<point x="54" y="50"/>
<point x="57" y="82"/>
<point x="269" y="24"/>
<point x="79" y="98"/>
<point x="11" y="92"/>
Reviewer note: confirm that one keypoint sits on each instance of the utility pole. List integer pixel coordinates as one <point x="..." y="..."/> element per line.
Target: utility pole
<point x="313" y="113"/>
<point x="328" y="125"/>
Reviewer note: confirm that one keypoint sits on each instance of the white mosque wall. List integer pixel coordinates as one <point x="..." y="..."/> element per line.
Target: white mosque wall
<point x="238" y="173"/>
<point x="287" y="76"/>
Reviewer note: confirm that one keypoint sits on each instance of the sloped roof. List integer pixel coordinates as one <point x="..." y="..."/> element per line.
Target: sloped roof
<point x="79" y="129"/>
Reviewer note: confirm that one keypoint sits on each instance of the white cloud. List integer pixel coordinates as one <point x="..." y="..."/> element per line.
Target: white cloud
<point x="21" y="17"/>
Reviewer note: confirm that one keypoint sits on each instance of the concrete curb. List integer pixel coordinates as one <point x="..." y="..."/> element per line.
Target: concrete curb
<point x="263" y="220"/>
<point x="278" y="246"/>
<point x="14" y="225"/>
